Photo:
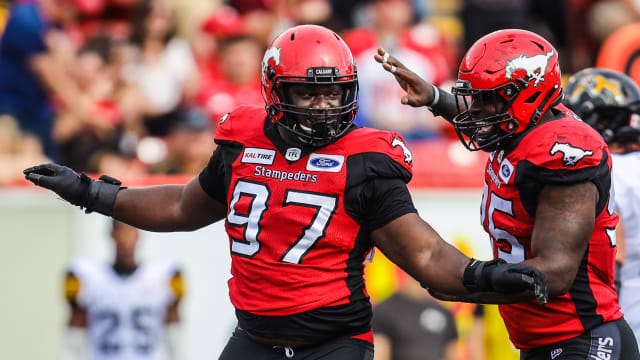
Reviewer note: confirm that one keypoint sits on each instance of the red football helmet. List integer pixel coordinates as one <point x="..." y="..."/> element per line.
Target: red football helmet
<point x="514" y="71"/>
<point x="310" y="55"/>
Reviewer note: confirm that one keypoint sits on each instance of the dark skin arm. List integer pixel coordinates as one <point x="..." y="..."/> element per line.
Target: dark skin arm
<point x="168" y="207"/>
<point x="563" y="226"/>
<point x="413" y="244"/>
<point x="564" y="222"/>
<point x="173" y="314"/>
<point x="78" y="317"/>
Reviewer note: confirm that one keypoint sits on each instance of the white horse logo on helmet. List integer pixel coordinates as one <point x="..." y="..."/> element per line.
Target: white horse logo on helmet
<point x="535" y="66"/>
<point x="271" y="53"/>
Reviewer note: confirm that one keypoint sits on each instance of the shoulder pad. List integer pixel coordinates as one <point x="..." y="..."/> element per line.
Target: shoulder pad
<point x="379" y="153"/>
<point x="240" y="124"/>
<point x="177" y="285"/>
<point x="389" y="143"/>
<point x="71" y="287"/>
<point x="566" y="143"/>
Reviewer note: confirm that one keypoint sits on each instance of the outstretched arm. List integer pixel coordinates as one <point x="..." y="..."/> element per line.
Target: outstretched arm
<point x="419" y="91"/>
<point x="168" y="207"/>
<point x="412" y="244"/>
<point x="564" y="222"/>
<point x="156" y="208"/>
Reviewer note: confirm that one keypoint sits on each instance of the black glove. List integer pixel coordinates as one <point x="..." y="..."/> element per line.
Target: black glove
<point x="80" y="190"/>
<point x="499" y="276"/>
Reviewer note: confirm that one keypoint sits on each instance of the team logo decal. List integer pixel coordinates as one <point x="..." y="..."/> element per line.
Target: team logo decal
<point x="271" y="53"/>
<point x="599" y="86"/>
<point x="258" y="156"/>
<point x="570" y="154"/>
<point x="555" y="353"/>
<point x="224" y="118"/>
<point x="293" y="154"/>
<point x="506" y="170"/>
<point x="405" y="149"/>
<point x="534" y="66"/>
<point x="326" y="163"/>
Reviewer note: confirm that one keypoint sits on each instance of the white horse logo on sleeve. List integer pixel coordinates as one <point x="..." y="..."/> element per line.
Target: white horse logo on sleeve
<point x="405" y="149"/>
<point x="534" y="66"/>
<point x="570" y="154"/>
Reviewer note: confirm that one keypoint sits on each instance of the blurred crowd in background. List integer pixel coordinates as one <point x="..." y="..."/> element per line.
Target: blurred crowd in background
<point x="136" y="87"/>
<point x="131" y="87"/>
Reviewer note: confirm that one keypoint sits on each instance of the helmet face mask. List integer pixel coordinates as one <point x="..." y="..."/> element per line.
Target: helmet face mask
<point x="511" y="78"/>
<point x="605" y="99"/>
<point x="316" y="57"/>
<point x="482" y="122"/>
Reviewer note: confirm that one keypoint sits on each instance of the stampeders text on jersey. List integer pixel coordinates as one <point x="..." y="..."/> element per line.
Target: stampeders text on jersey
<point x="285" y="175"/>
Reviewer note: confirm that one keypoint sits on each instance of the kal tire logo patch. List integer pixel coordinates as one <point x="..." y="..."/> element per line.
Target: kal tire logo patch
<point x="258" y="156"/>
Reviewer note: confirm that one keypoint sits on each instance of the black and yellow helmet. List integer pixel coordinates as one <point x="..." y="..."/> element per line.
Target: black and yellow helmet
<point x="605" y="99"/>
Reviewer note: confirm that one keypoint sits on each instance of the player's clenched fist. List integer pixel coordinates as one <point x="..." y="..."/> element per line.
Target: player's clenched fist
<point x="500" y="276"/>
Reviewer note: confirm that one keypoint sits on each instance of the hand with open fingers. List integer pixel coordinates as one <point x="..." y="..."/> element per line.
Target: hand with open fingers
<point x="80" y="190"/>
<point x="62" y="180"/>
<point x="419" y="91"/>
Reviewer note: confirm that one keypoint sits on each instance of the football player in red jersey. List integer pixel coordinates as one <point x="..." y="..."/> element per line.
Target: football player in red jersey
<point x="546" y="194"/>
<point x="306" y="195"/>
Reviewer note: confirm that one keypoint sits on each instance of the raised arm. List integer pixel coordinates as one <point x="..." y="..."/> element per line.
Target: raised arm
<point x="413" y="245"/>
<point x="419" y="91"/>
<point x="156" y="208"/>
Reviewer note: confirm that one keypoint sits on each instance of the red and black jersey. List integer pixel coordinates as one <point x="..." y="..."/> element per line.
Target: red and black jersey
<point x="563" y="150"/>
<point x="299" y="221"/>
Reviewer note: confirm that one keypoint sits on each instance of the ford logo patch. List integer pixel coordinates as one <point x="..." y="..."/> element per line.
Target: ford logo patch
<point x="324" y="163"/>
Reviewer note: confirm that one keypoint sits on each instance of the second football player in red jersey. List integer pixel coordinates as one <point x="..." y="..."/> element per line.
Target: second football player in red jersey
<point x="306" y="195"/>
<point x="546" y="199"/>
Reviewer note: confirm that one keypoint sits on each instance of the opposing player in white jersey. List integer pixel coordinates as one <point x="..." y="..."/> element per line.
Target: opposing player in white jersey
<point x="609" y="101"/>
<point x="124" y="310"/>
<point x="626" y="180"/>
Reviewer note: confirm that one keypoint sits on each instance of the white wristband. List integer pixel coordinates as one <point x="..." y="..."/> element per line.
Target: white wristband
<point x="436" y="95"/>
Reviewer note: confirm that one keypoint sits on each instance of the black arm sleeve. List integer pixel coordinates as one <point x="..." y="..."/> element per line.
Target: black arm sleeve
<point x="378" y="201"/>
<point x="212" y="177"/>
<point x="216" y="176"/>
